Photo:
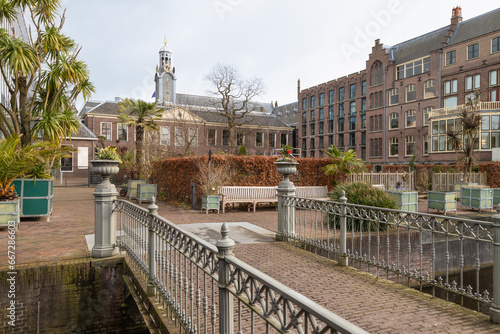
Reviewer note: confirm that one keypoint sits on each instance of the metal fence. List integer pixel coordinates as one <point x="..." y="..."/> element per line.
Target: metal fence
<point x="446" y="181"/>
<point x="389" y="180"/>
<point x="416" y="249"/>
<point x="200" y="282"/>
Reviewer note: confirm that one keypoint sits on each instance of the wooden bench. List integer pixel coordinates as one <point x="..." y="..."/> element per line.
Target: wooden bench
<point x="247" y="194"/>
<point x="314" y="192"/>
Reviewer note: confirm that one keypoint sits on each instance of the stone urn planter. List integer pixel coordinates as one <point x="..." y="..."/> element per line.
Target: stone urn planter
<point x="105" y="168"/>
<point x="286" y="168"/>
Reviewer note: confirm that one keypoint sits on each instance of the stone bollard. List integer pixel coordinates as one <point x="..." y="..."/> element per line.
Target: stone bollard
<point x="495" y="306"/>
<point x="226" y="305"/>
<point x="286" y="214"/>
<point x="153" y="210"/>
<point x="343" y="260"/>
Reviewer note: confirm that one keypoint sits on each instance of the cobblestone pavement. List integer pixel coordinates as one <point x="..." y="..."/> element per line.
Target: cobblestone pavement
<point x="377" y="305"/>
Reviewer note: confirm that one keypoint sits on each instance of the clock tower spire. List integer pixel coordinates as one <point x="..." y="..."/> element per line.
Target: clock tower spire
<point x="165" y="76"/>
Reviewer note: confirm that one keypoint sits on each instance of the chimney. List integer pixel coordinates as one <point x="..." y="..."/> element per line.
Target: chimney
<point x="456" y="17"/>
<point x="298" y="88"/>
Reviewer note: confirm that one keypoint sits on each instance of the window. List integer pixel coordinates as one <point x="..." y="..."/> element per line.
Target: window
<point x="426" y="111"/>
<point x="179" y="136"/>
<point x="321" y="99"/>
<point x="330" y="112"/>
<point x="376" y="147"/>
<point x="363" y="105"/>
<point x="304" y="117"/>
<point x="304" y="130"/>
<point x="259" y="139"/>
<point x="193" y="136"/>
<point x="363" y="121"/>
<point x="341" y="125"/>
<point x="67" y="162"/>
<point x="352" y="107"/>
<point x="352" y="91"/>
<point x="165" y="136"/>
<point x="341" y="110"/>
<point x="352" y="139"/>
<point x="410" y="145"/>
<point x="225" y="137"/>
<point x="451" y="57"/>
<point x="376" y="123"/>
<point x="313" y="118"/>
<point x="376" y="100"/>
<point x="212" y="137"/>
<point x="321" y="114"/>
<point x="330" y="126"/>
<point x="352" y="123"/>
<point x="313" y="101"/>
<point x="304" y="103"/>
<point x="312" y="145"/>
<point x="376" y="73"/>
<point x="413" y="68"/>
<point x="272" y="140"/>
<point x="341" y="94"/>
<point x="450" y="87"/>
<point x="450" y="102"/>
<point x="313" y="129"/>
<point x="341" y="141"/>
<point x="393" y="146"/>
<point x="122" y="132"/>
<point x="494" y="78"/>
<point x="429" y="89"/>
<point x="394" y="120"/>
<point x="425" y="150"/>
<point x="393" y="96"/>
<point x="363" y="88"/>
<point x="284" y="139"/>
<point x="411" y="93"/>
<point x="363" y="138"/>
<point x="321" y="127"/>
<point x="495" y="44"/>
<point x="473" y="51"/>
<point x="411" y="118"/>
<point x="330" y="140"/>
<point x="106" y="130"/>
<point x="304" y="144"/>
<point x="472" y="82"/>
<point x="330" y="97"/>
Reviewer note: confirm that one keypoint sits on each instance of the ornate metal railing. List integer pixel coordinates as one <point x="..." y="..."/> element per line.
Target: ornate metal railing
<point x="413" y="248"/>
<point x="483" y="106"/>
<point x="200" y="281"/>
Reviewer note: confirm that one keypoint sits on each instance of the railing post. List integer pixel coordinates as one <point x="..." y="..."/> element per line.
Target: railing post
<point x="343" y="260"/>
<point x="495" y="306"/>
<point x="286" y="214"/>
<point x="226" y="307"/>
<point x="153" y="210"/>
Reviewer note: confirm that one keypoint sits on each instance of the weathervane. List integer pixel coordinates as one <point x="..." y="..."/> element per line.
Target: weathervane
<point x="165" y="40"/>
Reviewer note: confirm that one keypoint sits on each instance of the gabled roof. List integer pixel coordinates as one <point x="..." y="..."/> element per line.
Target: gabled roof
<point x="476" y="26"/>
<point x="206" y="101"/>
<point x="288" y="113"/>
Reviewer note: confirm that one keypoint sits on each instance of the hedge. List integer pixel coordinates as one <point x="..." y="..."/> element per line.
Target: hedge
<point x="175" y="175"/>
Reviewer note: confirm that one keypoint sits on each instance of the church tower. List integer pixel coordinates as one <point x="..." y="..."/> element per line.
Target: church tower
<point x="165" y="77"/>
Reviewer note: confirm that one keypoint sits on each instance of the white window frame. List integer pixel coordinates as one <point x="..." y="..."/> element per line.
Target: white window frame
<point x="110" y="130"/>
<point x="121" y="126"/>
<point x="165" y="136"/>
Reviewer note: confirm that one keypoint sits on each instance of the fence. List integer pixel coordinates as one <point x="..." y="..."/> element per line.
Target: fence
<point x="446" y="181"/>
<point x="412" y="248"/>
<point x="389" y="180"/>
<point x="200" y="282"/>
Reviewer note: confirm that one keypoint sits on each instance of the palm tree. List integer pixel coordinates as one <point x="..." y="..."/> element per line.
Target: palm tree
<point x="344" y="163"/>
<point x="143" y="115"/>
<point x="470" y="121"/>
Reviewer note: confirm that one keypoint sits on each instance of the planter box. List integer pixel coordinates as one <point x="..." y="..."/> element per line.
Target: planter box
<point x="442" y="201"/>
<point x="36" y="197"/>
<point x="145" y="192"/>
<point x="477" y="198"/>
<point x="9" y="212"/>
<point x="458" y="186"/>
<point x="496" y="196"/>
<point x="210" y="202"/>
<point x="132" y="188"/>
<point x="407" y="200"/>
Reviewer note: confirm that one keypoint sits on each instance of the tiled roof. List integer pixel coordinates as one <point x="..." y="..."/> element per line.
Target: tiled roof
<point x="205" y="101"/>
<point x="476" y="26"/>
<point x="85" y="132"/>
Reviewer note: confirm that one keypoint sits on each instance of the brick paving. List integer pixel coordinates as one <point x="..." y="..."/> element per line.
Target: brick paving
<point x="374" y="304"/>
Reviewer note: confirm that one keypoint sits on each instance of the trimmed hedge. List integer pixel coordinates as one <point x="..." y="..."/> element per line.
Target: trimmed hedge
<point x="492" y="170"/>
<point x="175" y="175"/>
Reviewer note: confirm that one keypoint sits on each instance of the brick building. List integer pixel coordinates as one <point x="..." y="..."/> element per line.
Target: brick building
<point x="408" y="94"/>
<point x="188" y="125"/>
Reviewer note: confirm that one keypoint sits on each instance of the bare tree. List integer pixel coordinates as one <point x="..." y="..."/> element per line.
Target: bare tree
<point x="232" y="96"/>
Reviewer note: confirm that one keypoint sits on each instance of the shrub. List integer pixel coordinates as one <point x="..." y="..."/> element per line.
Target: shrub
<point x="243" y="150"/>
<point x="363" y="194"/>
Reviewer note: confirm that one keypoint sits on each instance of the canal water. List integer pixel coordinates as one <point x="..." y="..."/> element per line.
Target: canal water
<point x="72" y="297"/>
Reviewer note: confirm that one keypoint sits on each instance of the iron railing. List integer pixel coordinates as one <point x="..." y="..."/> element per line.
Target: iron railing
<point x="413" y="248"/>
<point x="200" y="281"/>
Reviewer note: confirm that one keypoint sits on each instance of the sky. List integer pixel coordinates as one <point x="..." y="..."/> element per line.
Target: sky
<point x="278" y="41"/>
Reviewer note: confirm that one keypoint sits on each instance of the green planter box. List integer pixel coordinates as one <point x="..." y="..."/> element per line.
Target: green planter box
<point x="407" y="200"/>
<point x="36" y="197"/>
<point x="458" y="186"/>
<point x="496" y="196"/>
<point x="442" y="201"/>
<point x="132" y="188"/>
<point x="210" y="202"/>
<point x="145" y="192"/>
<point x="9" y="212"/>
<point x="477" y="198"/>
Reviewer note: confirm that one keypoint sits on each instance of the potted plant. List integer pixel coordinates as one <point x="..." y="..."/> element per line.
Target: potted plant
<point x="106" y="162"/>
<point x="210" y="177"/>
<point x="286" y="163"/>
<point x="477" y="197"/>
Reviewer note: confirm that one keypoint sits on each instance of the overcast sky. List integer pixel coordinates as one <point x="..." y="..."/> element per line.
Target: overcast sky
<point x="278" y="40"/>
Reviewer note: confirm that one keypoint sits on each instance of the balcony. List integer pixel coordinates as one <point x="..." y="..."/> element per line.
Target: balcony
<point x="483" y="106"/>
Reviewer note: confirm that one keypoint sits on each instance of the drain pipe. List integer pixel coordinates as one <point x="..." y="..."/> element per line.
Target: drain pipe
<point x="193" y="197"/>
